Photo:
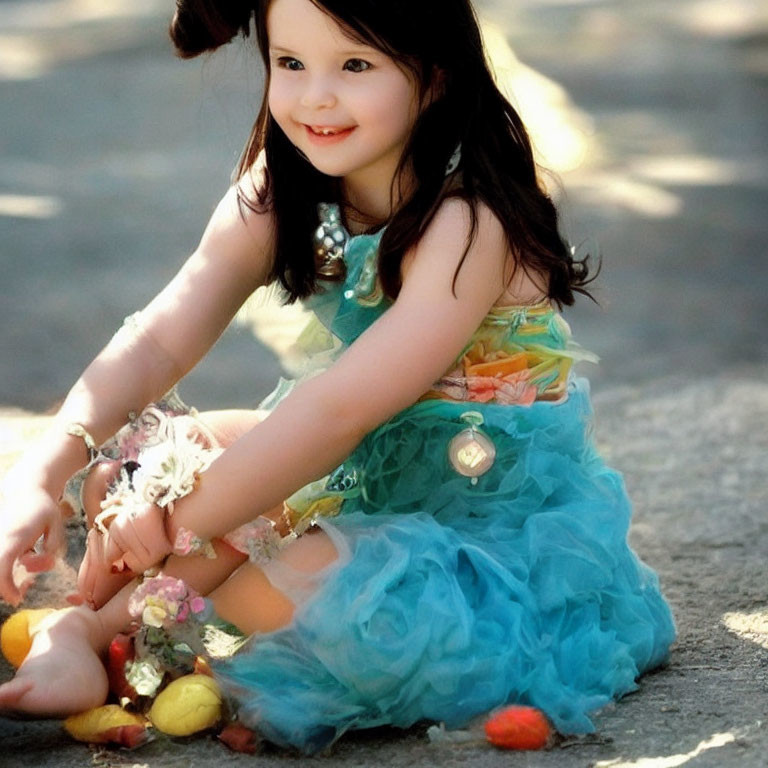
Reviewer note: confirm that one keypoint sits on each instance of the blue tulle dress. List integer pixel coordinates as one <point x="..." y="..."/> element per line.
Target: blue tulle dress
<point x="454" y="594"/>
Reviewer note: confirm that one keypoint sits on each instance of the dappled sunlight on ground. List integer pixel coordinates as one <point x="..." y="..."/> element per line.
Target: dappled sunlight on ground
<point x="722" y="18"/>
<point x="56" y="14"/>
<point x="32" y="43"/>
<point x="30" y="206"/>
<point x="642" y="183"/>
<point x="562" y="134"/>
<point x="671" y="761"/>
<point x="692" y="170"/>
<point x="18" y="429"/>
<point x="634" y="157"/>
<point x="750" y="626"/>
<point x="617" y="189"/>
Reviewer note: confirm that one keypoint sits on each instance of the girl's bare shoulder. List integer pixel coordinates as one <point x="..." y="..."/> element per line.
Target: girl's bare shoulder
<point x="484" y="248"/>
<point x="241" y="229"/>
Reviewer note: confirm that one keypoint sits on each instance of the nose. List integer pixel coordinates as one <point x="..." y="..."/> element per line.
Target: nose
<point x="318" y="94"/>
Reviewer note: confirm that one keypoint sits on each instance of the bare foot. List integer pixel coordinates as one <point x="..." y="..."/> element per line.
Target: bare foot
<point x="62" y="674"/>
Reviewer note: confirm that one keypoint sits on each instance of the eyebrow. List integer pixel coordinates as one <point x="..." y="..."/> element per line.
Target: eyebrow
<point x="367" y="51"/>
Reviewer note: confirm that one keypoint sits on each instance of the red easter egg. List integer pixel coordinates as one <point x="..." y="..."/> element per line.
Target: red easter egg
<point x="240" y="739"/>
<point x="518" y="728"/>
<point x="120" y="652"/>
<point x="128" y="736"/>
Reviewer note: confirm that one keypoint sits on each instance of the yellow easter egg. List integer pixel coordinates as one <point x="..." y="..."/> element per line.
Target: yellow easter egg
<point x="16" y="633"/>
<point x="104" y="724"/>
<point x="188" y="705"/>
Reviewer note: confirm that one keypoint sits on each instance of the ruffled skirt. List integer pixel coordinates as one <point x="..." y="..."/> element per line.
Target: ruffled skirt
<point x="451" y="598"/>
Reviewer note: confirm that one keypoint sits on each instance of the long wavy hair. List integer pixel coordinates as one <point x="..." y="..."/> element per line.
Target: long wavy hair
<point x="497" y="165"/>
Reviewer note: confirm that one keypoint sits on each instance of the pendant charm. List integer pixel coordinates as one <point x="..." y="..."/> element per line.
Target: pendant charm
<point x="330" y="241"/>
<point x="472" y="452"/>
<point x="341" y="481"/>
<point x="367" y="290"/>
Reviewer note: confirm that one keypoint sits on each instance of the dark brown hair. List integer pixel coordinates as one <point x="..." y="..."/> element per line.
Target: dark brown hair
<point x="497" y="164"/>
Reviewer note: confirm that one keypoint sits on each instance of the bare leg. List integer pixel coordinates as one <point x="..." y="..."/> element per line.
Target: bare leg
<point x="250" y="601"/>
<point x="63" y="673"/>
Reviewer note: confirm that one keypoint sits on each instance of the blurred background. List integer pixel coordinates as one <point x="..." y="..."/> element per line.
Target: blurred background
<point x="651" y="116"/>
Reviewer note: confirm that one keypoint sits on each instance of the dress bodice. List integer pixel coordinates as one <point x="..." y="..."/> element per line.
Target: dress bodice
<point x="518" y="354"/>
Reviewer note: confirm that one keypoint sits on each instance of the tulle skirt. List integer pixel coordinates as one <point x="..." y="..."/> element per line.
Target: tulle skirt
<point x="450" y="598"/>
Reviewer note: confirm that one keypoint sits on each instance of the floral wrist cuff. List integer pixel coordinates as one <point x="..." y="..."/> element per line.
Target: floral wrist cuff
<point x="189" y="543"/>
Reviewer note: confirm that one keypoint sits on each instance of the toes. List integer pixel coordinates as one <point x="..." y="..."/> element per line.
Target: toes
<point x="13" y="692"/>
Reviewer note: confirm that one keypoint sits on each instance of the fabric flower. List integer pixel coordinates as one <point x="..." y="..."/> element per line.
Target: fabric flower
<point x="197" y="604"/>
<point x="154" y="616"/>
<point x="512" y="389"/>
<point x="144" y="676"/>
<point x="162" y="601"/>
<point x="183" y="613"/>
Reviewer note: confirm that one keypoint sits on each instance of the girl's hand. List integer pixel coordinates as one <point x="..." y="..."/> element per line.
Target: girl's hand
<point x="134" y="541"/>
<point x="97" y="581"/>
<point x="27" y="513"/>
<point x="137" y="537"/>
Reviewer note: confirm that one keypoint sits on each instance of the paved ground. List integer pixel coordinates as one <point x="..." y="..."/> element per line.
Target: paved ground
<point x="660" y="138"/>
<point x="694" y="461"/>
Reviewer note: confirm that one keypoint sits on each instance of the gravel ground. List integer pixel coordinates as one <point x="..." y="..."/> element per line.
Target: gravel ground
<point x="693" y="456"/>
<point x="105" y="140"/>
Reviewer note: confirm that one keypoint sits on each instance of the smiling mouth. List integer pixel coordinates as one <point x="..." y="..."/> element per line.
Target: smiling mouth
<point x="326" y="131"/>
<point x="321" y="130"/>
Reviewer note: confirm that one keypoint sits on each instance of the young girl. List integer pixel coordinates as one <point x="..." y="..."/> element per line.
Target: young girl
<point x="423" y="530"/>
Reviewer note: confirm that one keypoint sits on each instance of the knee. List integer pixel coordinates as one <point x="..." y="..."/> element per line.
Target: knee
<point x="311" y="552"/>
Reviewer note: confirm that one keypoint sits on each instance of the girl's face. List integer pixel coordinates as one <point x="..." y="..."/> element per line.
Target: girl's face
<point x="347" y="106"/>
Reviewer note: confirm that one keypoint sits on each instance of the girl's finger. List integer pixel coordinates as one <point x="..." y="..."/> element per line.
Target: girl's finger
<point x="132" y="563"/>
<point x="8" y="590"/>
<point x="135" y="556"/>
<point x="145" y="540"/>
<point x="85" y="577"/>
<point x="53" y="542"/>
<point x="36" y="563"/>
<point x="114" y="548"/>
<point x="98" y="583"/>
<point x="74" y="599"/>
<point x="93" y="560"/>
<point x="133" y="551"/>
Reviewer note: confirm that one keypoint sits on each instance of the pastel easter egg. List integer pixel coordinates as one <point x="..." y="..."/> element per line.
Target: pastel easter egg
<point x="189" y="704"/>
<point x="16" y="633"/>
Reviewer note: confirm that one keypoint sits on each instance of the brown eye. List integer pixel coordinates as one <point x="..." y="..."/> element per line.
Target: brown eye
<point x="286" y="62"/>
<point x="356" y="65"/>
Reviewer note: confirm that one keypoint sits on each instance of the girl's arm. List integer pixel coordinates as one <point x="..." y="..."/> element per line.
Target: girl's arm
<point x="137" y="366"/>
<point x="178" y="326"/>
<point x="387" y="369"/>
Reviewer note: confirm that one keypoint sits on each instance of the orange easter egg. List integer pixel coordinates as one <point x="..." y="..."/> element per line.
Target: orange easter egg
<point x="518" y="728"/>
<point x="109" y="724"/>
<point x="16" y="634"/>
